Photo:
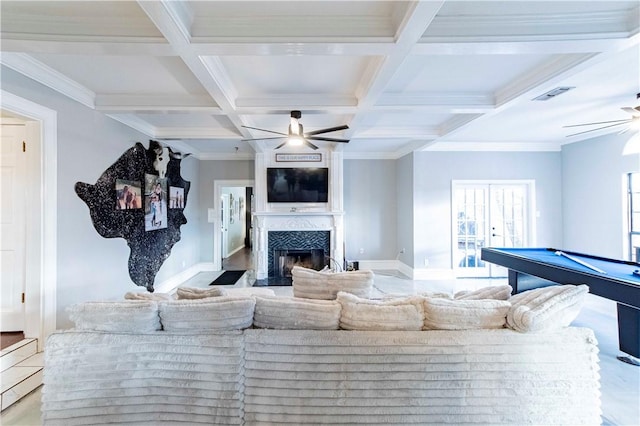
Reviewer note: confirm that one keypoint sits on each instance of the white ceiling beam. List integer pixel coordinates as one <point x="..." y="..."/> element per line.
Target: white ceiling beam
<point x="196" y="133"/>
<point x="452" y="102"/>
<point x="522" y="47"/>
<point x="82" y="46"/>
<point x="156" y="103"/>
<point x="417" y="18"/>
<point x="366" y="47"/>
<point x="293" y="101"/>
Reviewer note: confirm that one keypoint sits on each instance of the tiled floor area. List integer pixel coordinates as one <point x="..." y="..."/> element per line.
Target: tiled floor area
<point x="620" y="382"/>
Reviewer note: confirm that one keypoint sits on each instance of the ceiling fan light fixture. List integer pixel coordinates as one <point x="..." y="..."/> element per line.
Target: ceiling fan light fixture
<point x="295" y="140"/>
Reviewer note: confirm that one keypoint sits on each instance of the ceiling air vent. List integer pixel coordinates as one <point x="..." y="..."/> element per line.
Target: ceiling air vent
<point x="553" y="93"/>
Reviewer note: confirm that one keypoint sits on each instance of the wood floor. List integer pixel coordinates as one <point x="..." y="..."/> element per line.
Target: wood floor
<point x="8" y="338"/>
<point x="240" y="260"/>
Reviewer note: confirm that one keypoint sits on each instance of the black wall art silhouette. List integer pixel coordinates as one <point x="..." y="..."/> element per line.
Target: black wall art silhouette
<point x="154" y="171"/>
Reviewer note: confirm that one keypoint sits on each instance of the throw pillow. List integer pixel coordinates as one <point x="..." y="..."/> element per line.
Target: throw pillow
<point x="210" y="314"/>
<point x="199" y="293"/>
<point x="311" y="284"/>
<point x="132" y="316"/>
<point x="498" y="292"/>
<point x="296" y="314"/>
<point x="395" y="314"/>
<point x="147" y="296"/>
<point x="546" y="308"/>
<point x="452" y="314"/>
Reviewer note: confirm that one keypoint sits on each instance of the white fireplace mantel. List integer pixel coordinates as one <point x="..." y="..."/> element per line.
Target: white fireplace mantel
<point x="263" y="222"/>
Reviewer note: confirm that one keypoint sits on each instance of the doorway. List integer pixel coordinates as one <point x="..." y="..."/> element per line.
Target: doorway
<point x="13" y="175"/>
<point x="490" y="214"/>
<point x="233" y="200"/>
<point x="40" y="254"/>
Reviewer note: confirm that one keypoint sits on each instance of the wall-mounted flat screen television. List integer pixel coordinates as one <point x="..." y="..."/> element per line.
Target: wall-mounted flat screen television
<point x="297" y="185"/>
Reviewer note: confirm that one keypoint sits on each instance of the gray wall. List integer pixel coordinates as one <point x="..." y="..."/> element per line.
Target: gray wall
<point x="370" y="209"/>
<point x="594" y="202"/>
<point x="433" y="173"/>
<point x="91" y="267"/>
<point x="210" y="171"/>
<point x="405" y="209"/>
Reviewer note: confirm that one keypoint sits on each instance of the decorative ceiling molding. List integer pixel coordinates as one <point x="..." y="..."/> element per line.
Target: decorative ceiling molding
<point x="495" y="146"/>
<point x="135" y="123"/>
<point x="36" y="70"/>
<point x="156" y="103"/>
<point x="575" y="25"/>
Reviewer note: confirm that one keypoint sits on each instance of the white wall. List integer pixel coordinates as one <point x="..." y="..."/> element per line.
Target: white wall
<point x="91" y="267"/>
<point x="594" y="202"/>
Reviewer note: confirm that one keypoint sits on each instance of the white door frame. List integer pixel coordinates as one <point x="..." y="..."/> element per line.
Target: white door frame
<point x="41" y="225"/>
<point x="530" y="213"/>
<point x="217" y="230"/>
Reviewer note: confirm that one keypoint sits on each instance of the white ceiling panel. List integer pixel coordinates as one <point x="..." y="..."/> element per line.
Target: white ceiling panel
<point x="402" y="75"/>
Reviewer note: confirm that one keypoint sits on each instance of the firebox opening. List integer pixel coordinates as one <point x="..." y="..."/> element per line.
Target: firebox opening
<point x="286" y="259"/>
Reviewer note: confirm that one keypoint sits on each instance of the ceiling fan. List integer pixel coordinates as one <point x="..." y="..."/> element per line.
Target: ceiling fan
<point x="297" y="136"/>
<point x="635" y="118"/>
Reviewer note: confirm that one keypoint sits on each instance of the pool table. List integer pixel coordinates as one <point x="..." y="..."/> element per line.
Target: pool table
<point x="609" y="278"/>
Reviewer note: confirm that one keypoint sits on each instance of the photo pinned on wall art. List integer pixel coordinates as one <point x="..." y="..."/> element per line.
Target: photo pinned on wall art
<point x="128" y="194"/>
<point x="176" y="197"/>
<point x="155" y="196"/>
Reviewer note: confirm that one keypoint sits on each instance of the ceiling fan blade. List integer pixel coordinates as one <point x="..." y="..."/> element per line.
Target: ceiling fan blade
<point x="593" y="130"/>
<point x="327" y="130"/>
<point x="633" y="111"/>
<point x="309" y="144"/>
<point x="599" y="122"/>
<point x="322" y="138"/>
<point x="281" y="145"/>
<point x="261" y="139"/>
<point x="265" y="130"/>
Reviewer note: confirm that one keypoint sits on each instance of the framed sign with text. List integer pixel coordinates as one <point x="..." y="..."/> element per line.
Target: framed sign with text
<point x="299" y="158"/>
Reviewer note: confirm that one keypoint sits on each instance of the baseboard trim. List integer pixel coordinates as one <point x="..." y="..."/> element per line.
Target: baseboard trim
<point x="415" y="274"/>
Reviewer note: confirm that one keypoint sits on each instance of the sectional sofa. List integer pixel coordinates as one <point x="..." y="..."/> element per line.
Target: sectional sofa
<point x="257" y="359"/>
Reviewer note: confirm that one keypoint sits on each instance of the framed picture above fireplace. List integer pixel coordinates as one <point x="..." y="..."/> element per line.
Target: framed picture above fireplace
<point x="297" y="184"/>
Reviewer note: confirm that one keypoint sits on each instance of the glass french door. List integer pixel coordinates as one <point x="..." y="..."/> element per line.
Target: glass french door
<point x="489" y="214"/>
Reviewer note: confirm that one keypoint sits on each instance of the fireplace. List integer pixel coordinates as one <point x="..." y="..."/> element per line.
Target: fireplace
<point x="309" y="249"/>
<point x="286" y="259"/>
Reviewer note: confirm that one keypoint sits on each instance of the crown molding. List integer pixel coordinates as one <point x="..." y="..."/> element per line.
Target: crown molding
<point x="453" y="146"/>
<point x="135" y="123"/>
<point x="43" y="74"/>
<point x="198" y="103"/>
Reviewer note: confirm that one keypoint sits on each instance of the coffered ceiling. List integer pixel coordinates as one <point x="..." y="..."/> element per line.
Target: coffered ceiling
<point x="404" y="75"/>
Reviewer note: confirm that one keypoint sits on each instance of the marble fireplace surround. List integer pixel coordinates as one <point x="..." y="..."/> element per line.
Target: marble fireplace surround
<point x="267" y="222"/>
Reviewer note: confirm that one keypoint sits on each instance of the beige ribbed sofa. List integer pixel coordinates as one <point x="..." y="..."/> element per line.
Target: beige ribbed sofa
<point x="151" y="363"/>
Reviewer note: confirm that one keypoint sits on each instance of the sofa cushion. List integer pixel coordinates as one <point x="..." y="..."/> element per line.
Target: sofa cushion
<point x="147" y="296"/>
<point x="546" y="308"/>
<point x="312" y="284"/>
<point x="199" y="293"/>
<point x="132" y="316"/>
<point x="405" y="313"/>
<point x="498" y="292"/>
<point x="452" y="314"/>
<point x="296" y="313"/>
<point x="210" y="314"/>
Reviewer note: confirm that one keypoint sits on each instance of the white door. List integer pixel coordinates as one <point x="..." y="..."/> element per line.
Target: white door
<point x="489" y="214"/>
<point x="12" y="232"/>
<point x="224" y="224"/>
